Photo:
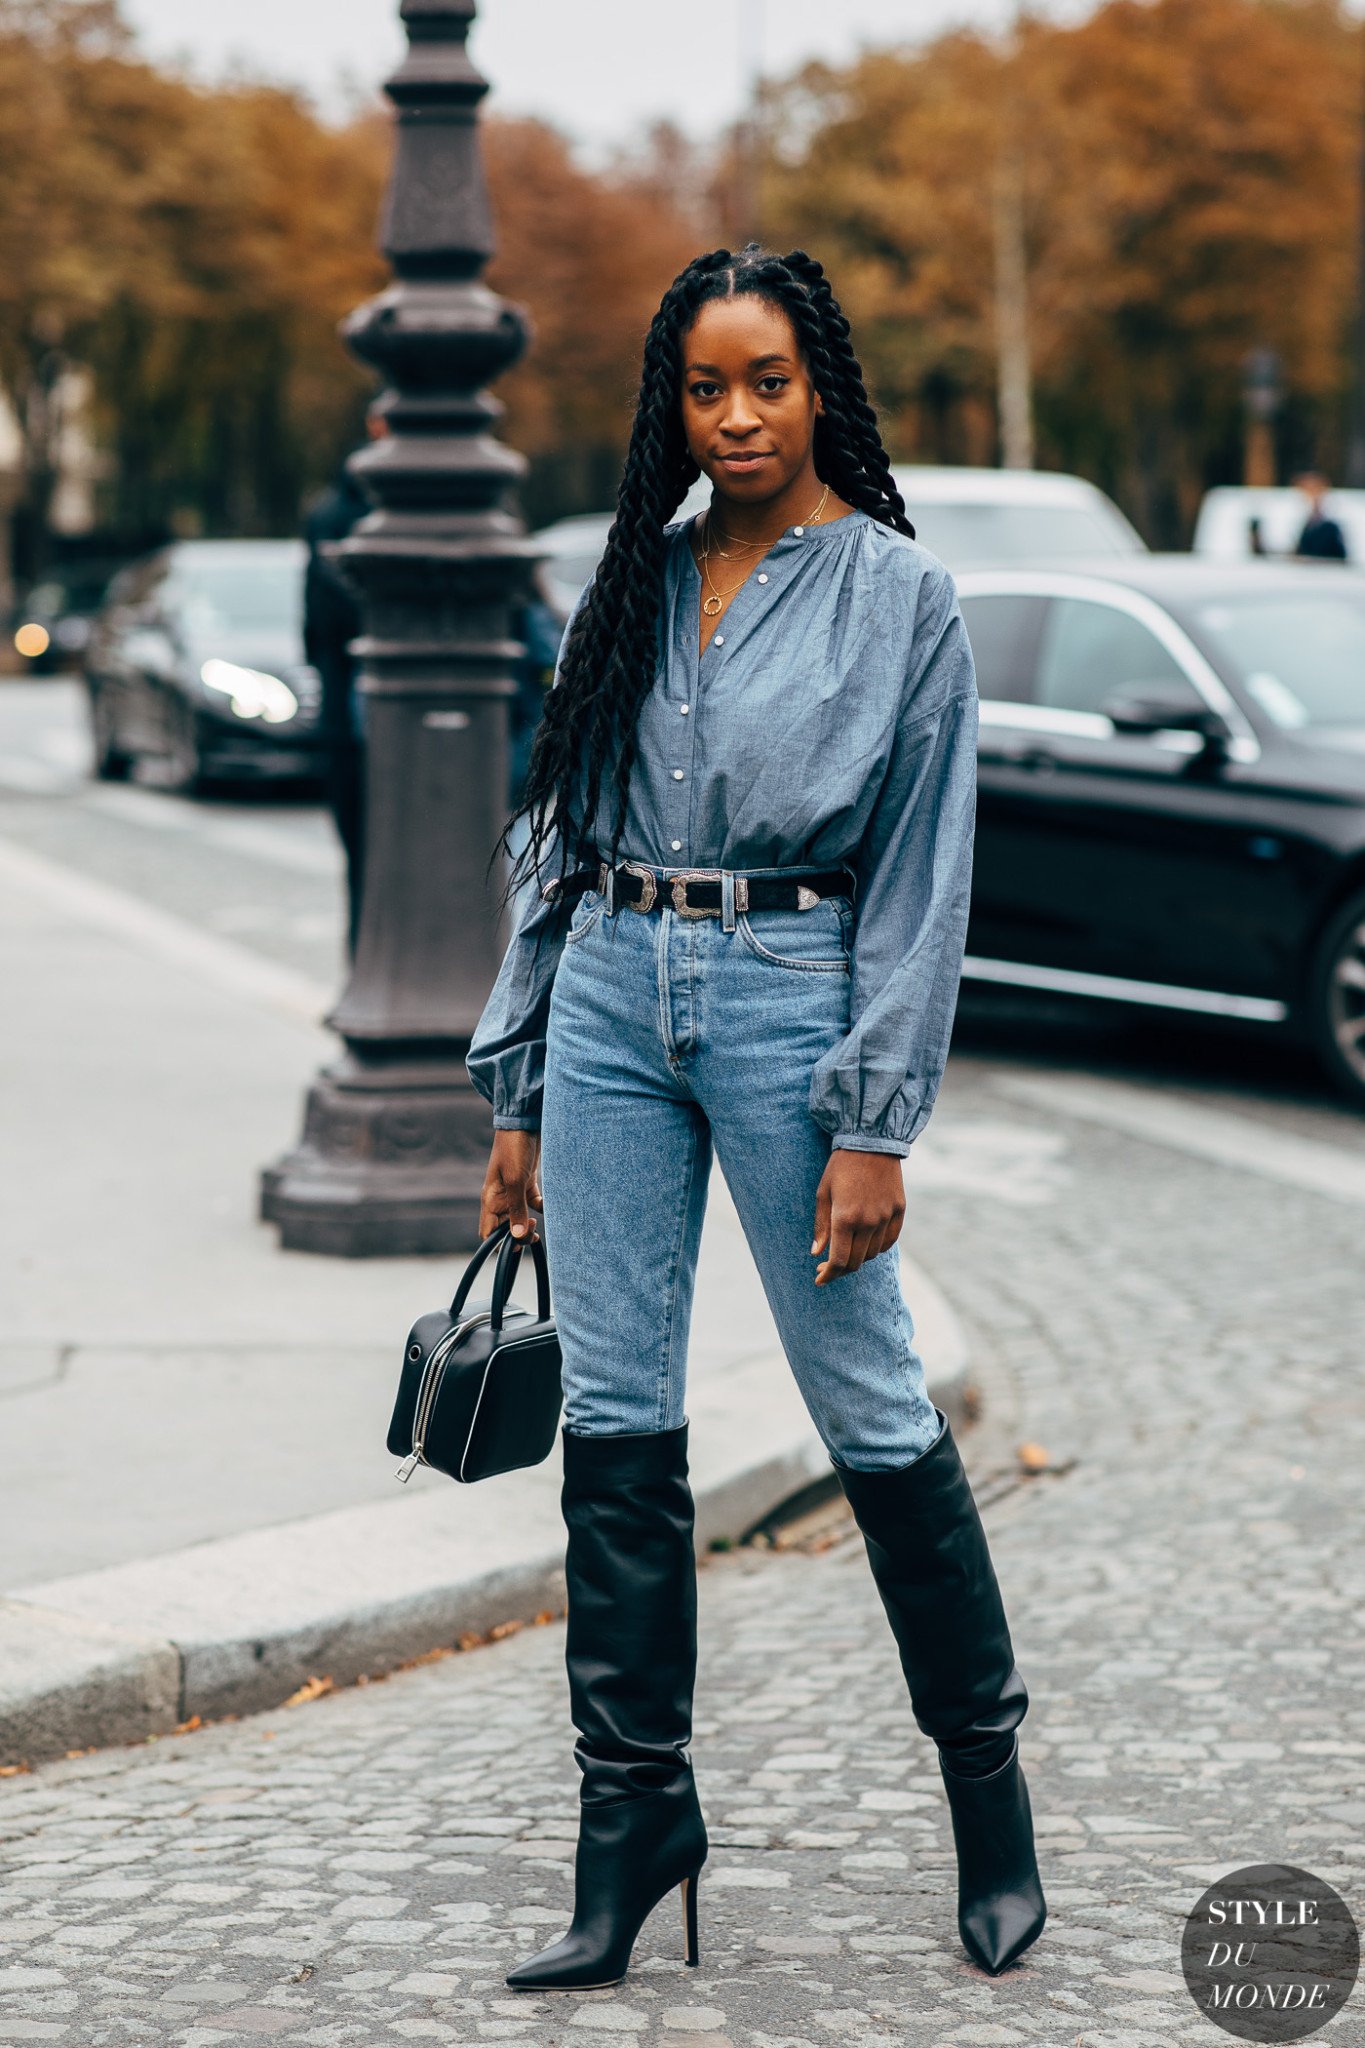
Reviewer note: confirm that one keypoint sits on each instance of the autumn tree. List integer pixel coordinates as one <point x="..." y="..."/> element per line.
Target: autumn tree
<point x="1188" y="174"/>
<point x="589" y="255"/>
<point x="196" y="248"/>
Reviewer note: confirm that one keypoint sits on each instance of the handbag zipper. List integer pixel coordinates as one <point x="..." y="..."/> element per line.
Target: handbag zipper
<point x="432" y="1376"/>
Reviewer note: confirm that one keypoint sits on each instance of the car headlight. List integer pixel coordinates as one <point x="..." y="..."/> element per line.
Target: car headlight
<point x="32" y="639"/>
<point x="253" y="693"/>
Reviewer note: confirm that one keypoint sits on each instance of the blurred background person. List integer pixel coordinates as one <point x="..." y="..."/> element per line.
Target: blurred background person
<point x="1322" y="538"/>
<point x="331" y="620"/>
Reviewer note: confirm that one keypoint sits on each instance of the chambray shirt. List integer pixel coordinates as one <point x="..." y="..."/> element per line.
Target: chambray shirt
<point x="831" y="720"/>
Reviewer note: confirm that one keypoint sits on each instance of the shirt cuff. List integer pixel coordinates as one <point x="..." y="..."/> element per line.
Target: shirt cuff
<point x="868" y="1141"/>
<point x="516" y="1123"/>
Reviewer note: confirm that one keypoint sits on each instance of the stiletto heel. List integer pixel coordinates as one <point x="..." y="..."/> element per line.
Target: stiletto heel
<point x="692" y="1947"/>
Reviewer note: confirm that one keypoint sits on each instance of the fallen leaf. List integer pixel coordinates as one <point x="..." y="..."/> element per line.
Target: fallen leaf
<point x="311" y="1689"/>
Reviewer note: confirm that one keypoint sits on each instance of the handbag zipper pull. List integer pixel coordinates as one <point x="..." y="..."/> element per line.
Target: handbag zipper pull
<point x="408" y="1467"/>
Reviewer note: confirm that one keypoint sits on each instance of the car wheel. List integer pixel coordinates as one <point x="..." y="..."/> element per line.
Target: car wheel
<point x="111" y="763"/>
<point x="1337" y="1019"/>
<point x="185" y="770"/>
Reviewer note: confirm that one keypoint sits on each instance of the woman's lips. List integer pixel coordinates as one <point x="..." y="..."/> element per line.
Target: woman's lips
<point x="744" y="461"/>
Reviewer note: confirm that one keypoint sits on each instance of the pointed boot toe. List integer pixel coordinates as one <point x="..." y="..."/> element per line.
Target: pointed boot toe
<point x="631" y="1854"/>
<point x="568" y="1965"/>
<point x="1001" y="1908"/>
<point x="996" y="1932"/>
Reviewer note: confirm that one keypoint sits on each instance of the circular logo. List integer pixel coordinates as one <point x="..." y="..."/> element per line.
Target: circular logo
<point x="1270" y="1953"/>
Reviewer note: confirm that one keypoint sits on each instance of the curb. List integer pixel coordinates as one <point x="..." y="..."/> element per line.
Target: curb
<point x="237" y="1625"/>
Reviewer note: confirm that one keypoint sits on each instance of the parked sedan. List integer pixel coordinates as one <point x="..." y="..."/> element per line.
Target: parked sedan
<point x="196" y="663"/>
<point x="1172" y="791"/>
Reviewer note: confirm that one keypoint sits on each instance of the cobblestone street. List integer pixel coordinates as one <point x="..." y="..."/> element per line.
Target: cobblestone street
<point x="1184" y="1582"/>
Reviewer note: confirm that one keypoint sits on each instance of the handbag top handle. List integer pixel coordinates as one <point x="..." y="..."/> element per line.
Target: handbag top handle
<point x="505" y="1273"/>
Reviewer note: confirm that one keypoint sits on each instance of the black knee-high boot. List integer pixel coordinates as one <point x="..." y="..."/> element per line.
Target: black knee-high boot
<point x="631" y="1650"/>
<point x="933" y="1570"/>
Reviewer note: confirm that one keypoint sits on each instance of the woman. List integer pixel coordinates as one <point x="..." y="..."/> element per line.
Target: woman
<point x="778" y="701"/>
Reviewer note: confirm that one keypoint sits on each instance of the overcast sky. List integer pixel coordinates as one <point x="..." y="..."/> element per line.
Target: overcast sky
<point x="600" y="69"/>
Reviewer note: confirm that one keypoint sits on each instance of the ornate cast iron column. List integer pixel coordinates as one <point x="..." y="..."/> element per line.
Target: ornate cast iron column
<point x="395" y="1139"/>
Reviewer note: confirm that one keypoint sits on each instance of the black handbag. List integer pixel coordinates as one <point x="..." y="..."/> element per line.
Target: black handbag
<point x="480" y="1390"/>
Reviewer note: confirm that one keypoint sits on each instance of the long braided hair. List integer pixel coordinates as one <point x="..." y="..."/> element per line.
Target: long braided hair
<point x="588" y="729"/>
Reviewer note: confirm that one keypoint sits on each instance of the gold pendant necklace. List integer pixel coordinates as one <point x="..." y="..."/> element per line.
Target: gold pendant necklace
<point x="715" y="603"/>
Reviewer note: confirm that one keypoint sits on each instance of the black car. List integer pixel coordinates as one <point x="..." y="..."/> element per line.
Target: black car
<point x="196" y="662"/>
<point x="1172" y="790"/>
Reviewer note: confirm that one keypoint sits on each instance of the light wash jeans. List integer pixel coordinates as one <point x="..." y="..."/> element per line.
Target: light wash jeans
<point x="667" y="1037"/>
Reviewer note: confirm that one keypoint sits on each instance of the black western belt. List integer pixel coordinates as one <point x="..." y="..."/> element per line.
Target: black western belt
<point x="697" y="892"/>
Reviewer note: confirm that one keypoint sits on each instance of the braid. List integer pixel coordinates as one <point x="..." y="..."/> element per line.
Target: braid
<point x="848" y="394"/>
<point x="588" y="731"/>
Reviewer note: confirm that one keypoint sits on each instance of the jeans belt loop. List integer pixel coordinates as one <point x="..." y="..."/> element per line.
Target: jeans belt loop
<point x="727" y="899"/>
<point x="606" y="882"/>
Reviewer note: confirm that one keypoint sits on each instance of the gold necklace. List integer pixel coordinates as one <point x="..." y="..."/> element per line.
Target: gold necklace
<point x="714" y="604"/>
<point x="743" y="547"/>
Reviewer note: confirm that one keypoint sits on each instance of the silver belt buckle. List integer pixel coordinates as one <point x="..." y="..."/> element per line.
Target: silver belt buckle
<point x="678" y="885"/>
<point x="649" y="887"/>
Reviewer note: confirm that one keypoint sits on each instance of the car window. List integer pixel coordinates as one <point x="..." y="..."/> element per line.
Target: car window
<point x="1090" y="650"/>
<point x="1301" y="656"/>
<point x="1003" y="631"/>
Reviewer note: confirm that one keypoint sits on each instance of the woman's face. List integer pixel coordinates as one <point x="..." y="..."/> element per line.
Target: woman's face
<point x="748" y="404"/>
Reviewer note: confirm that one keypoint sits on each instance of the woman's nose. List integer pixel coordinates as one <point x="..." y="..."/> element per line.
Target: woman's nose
<point x="740" y="417"/>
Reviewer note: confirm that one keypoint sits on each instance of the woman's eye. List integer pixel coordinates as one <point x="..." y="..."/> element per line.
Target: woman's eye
<point x="771" y="384"/>
<point x="704" y="389"/>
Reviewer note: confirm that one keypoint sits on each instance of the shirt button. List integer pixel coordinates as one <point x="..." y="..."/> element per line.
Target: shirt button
<point x="684" y="708"/>
<point x="762" y="579"/>
<point x="676" y="845"/>
<point x="720" y="639"/>
<point x="677" y="775"/>
<point x="798" y="531"/>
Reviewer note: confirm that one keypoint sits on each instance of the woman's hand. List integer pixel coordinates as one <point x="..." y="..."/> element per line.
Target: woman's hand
<point x="859" y="1210"/>
<point x="511" y="1186"/>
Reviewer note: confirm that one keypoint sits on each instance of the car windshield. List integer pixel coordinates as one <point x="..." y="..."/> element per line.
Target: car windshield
<point x="1301" y="656"/>
<point x="965" y="535"/>
<point x="263" y="593"/>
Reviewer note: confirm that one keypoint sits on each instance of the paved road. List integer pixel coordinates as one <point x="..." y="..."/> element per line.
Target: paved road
<point x="1185" y="1589"/>
<point x="259" y="868"/>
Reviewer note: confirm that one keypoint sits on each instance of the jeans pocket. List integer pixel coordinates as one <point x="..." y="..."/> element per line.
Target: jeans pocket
<point x="586" y="911"/>
<point x="814" y="941"/>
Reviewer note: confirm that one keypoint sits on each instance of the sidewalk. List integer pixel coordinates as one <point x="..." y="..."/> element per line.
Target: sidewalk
<point x="197" y="1511"/>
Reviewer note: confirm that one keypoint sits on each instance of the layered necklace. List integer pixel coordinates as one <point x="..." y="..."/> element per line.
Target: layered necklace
<point x="716" y="601"/>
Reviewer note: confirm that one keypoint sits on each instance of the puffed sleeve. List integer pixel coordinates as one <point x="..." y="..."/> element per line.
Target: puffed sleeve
<point x="873" y="1091"/>
<point x="506" y="1057"/>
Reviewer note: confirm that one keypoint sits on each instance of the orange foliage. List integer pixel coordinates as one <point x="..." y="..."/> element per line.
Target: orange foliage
<point x="1189" y="173"/>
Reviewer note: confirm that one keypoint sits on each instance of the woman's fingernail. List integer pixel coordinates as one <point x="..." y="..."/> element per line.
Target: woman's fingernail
<point x="518" y="1230"/>
<point x="815" y="1247"/>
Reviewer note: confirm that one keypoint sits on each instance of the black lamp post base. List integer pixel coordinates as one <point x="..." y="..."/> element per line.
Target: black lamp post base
<point x="390" y="1164"/>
